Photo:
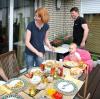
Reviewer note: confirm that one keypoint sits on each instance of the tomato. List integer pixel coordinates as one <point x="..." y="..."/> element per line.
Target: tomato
<point x="57" y="95"/>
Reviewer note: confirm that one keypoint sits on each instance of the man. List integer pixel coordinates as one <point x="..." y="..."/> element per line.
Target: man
<point x="80" y="28"/>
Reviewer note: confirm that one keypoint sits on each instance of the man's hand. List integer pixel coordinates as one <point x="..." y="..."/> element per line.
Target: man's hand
<point x="82" y="45"/>
<point x="67" y="37"/>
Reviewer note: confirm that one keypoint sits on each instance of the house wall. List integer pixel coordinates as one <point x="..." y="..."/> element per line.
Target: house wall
<point x="60" y="20"/>
<point x="90" y="6"/>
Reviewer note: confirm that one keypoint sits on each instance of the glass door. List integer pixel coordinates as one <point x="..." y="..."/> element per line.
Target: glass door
<point x="4" y="7"/>
<point x="23" y="14"/>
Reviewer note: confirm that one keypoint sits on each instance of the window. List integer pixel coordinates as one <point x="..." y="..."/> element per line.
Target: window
<point x="93" y="41"/>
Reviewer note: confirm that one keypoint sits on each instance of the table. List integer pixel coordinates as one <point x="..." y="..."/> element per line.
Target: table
<point x="67" y="76"/>
<point x="43" y="92"/>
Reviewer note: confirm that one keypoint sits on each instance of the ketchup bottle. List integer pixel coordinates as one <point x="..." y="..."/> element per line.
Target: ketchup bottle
<point x="60" y="71"/>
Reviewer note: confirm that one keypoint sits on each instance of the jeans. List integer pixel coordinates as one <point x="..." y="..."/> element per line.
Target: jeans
<point x="32" y="60"/>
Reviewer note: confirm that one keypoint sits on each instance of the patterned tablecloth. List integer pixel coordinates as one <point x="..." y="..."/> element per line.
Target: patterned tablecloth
<point x="78" y="83"/>
<point x="67" y="77"/>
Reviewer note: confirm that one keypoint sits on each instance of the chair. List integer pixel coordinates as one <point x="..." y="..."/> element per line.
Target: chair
<point x="88" y="96"/>
<point x="8" y="62"/>
<point x="92" y="87"/>
<point x="85" y="86"/>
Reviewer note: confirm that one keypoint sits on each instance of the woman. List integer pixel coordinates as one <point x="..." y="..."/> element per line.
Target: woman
<point x="36" y="35"/>
<point x="78" y="55"/>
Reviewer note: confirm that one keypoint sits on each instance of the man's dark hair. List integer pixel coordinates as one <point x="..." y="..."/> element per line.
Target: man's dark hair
<point x="74" y="9"/>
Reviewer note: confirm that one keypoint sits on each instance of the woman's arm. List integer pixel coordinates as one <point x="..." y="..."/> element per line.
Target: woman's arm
<point x="29" y="45"/>
<point x="47" y="42"/>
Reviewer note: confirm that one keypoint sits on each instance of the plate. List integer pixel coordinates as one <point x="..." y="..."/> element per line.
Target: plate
<point x="66" y="87"/>
<point x="76" y="72"/>
<point x="70" y="63"/>
<point x="35" y="69"/>
<point x="2" y="82"/>
<point x="44" y="97"/>
<point x="17" y="84"/>
<point x="41" y="86"/>
<point x="12" y="96"/>
<point x="50" y="63"/>
<point x="36" y="79"/>
<point x="60" y="50"/>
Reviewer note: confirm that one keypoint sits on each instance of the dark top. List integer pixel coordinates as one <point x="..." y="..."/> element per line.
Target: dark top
<point x="78" y="30"/>
<point x="37" y="37"/>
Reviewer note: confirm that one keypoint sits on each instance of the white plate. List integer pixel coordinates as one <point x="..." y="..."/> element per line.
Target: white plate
<point x="14" y="82"/>
<point x="12" y="97"/>
<point x="41" y="86"/>
<point x="35" y="69"/>
<point x="52" y="61"/>
<point x="36" y="79"/>
<point x="17" y="84"/>
<point x="2" y="82"/>
<point x="65" y="46"/>
<point x="48" y="61"/>
<point x="61" y="50"/>
<point x="65" y="86"/>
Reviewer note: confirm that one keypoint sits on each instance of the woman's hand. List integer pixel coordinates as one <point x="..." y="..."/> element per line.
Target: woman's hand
<point x="52" y="48"/>
<point x="40" y="54"/>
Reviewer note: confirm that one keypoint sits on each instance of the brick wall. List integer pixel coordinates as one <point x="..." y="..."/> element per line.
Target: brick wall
<point x="60" y="20"/>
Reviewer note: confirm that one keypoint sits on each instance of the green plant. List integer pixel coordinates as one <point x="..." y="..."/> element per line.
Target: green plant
<point x="56" y="42"/>
<point x="68" y="41"/>
<point x="94" y="57"/>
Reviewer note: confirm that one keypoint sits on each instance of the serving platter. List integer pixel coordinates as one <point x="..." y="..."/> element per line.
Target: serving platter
<point x="17" y="84"/>
<point x="70" y="64"/>
<point x="66" y="87"/>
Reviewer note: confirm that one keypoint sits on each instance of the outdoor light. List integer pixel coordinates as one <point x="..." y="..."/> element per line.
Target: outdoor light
<point x="58" y="4"/>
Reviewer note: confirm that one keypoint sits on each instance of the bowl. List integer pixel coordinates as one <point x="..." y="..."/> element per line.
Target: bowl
<point x="36" y="79"/>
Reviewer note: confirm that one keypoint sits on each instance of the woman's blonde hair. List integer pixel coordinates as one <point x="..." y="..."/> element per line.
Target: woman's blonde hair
<point x="43" y="13"/>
